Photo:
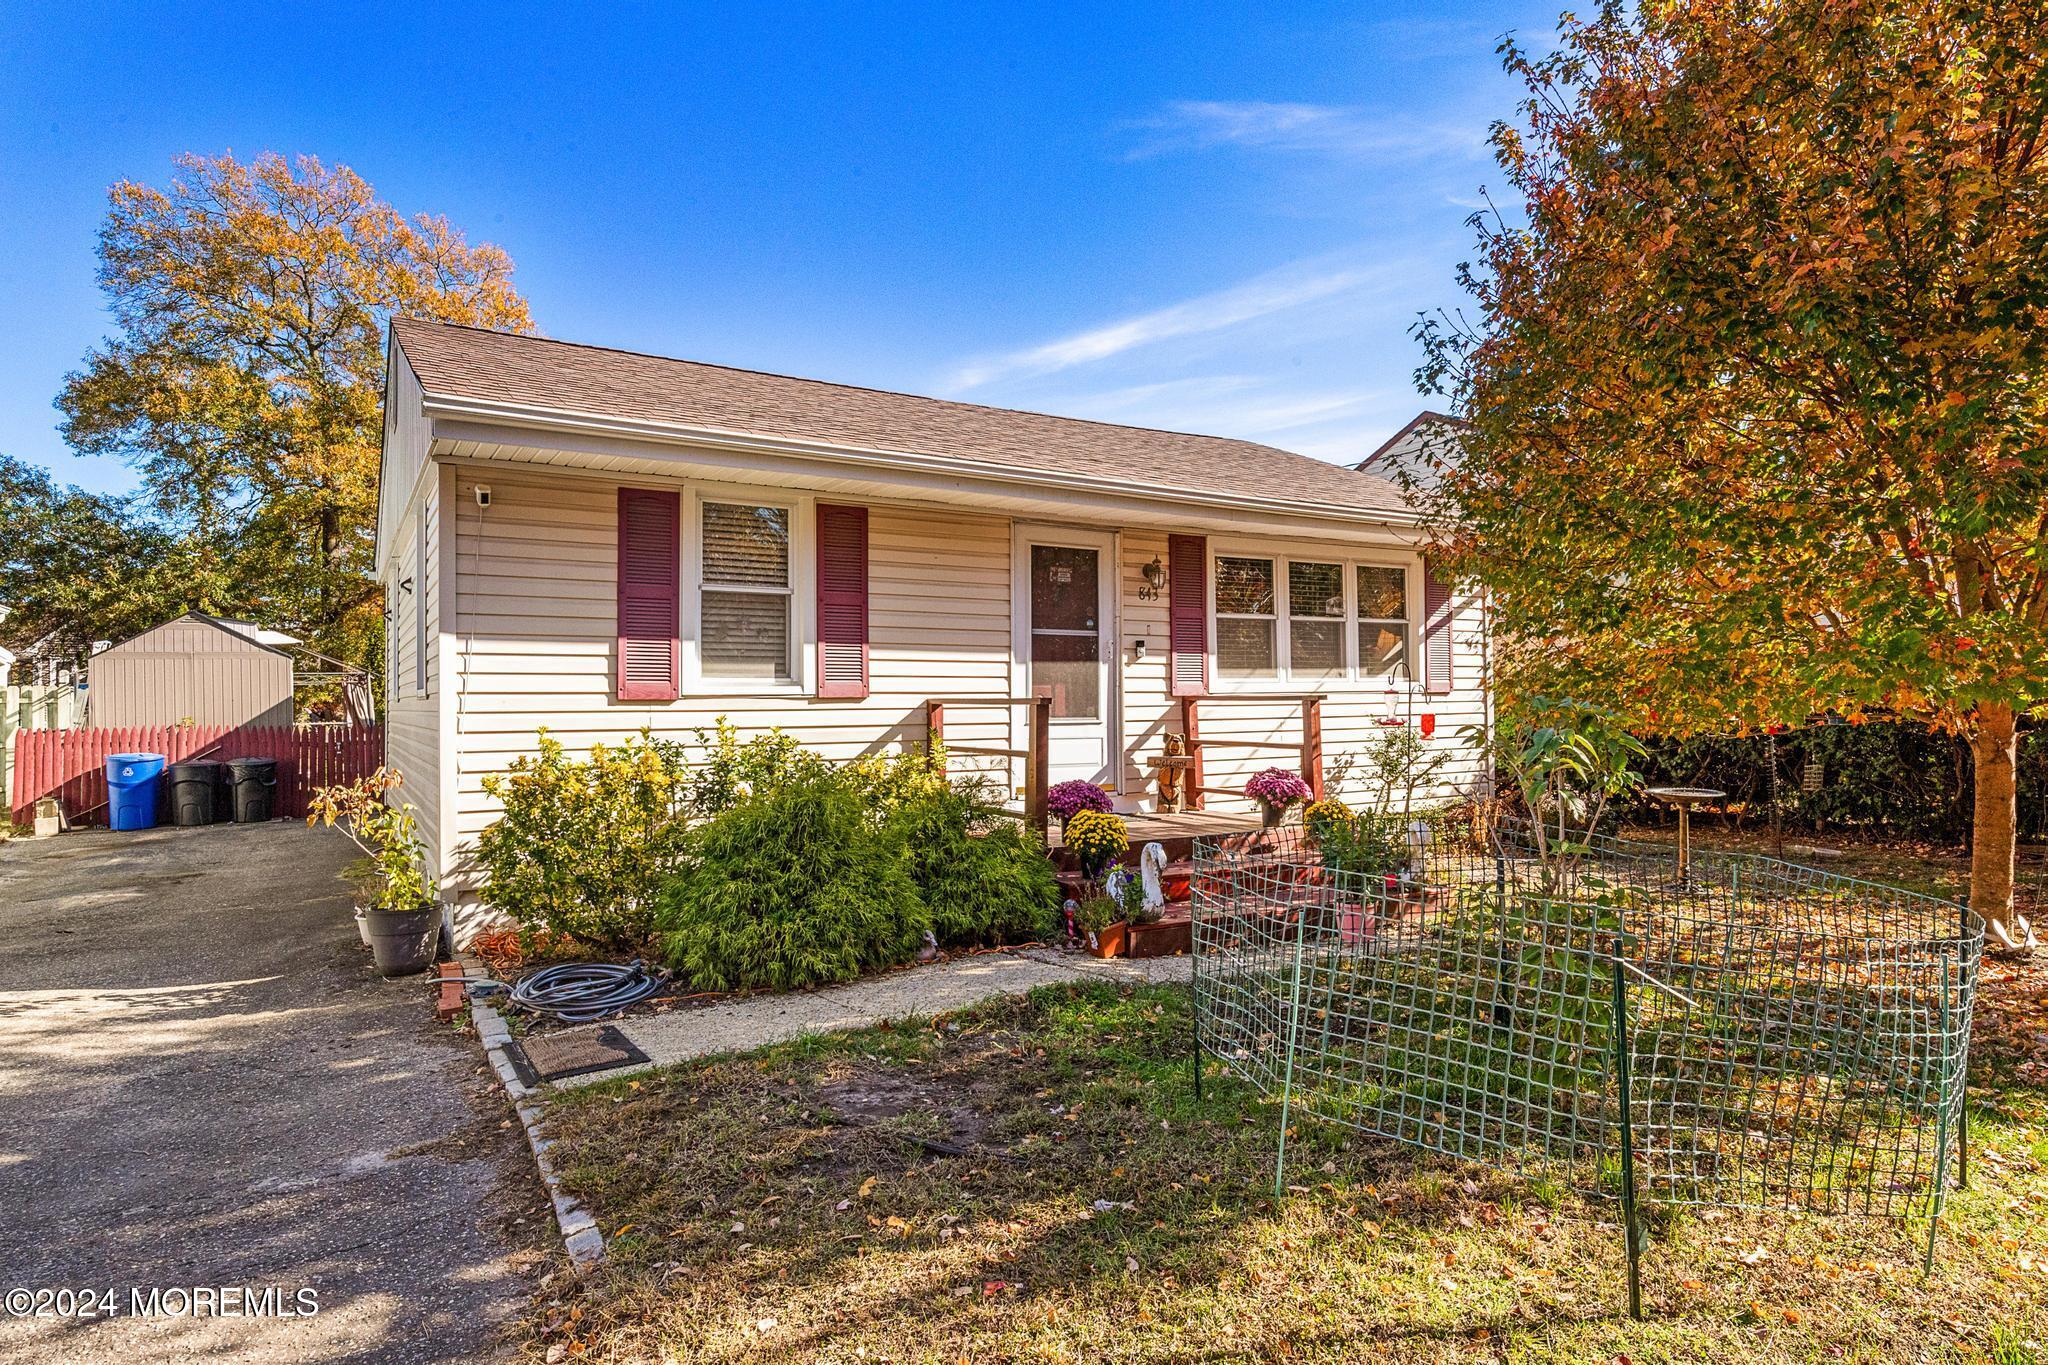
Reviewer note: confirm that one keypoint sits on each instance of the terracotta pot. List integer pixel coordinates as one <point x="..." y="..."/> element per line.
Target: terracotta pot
<point x="1356" y="922"/>
<point x="1161" y="938"/>
<point x="1108" y="941"/>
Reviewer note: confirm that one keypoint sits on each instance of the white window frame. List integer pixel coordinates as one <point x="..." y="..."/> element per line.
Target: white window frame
<point x="1284" y="598"/>
<point x="1282" y="680"/>
<point x="395" y="625"/>
<point x="1395" y="678"/>
<point x="803" y="593"/>
<point x="420" y="687"/>
<point x="1276" y="616"/>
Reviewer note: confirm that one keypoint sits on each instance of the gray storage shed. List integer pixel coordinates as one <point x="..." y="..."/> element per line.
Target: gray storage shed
<point x="196" y="670"/>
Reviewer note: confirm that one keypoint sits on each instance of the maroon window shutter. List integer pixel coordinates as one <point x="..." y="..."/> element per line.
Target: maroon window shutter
<point x="1187" y="579"/>
<point x="650" y="576"/>
<point x="1436" y="631"/>
<point x="842" y="601"/>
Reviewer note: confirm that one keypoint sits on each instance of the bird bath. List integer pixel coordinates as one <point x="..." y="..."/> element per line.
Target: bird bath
<point x="1684" y="798"/>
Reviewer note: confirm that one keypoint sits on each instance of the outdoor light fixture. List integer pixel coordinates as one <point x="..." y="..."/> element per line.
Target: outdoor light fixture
<point x="1155" y="574"/>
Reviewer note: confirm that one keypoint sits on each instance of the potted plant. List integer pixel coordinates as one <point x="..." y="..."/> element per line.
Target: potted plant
<point x="1327" y="821"/>
<point x="362" y="875"/>
<point x="1276" y="789"/>
<point x="1067" y="799"/>
<point x="1100" y="920"/>
<point x="402" y="916"/>
<point x="1097" y="839"/>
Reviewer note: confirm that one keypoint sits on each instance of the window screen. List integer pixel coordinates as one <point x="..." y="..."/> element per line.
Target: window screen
<point x="746" y="592"/>
<point x="1245" y="618"/>
<point x="1382" y="621"/>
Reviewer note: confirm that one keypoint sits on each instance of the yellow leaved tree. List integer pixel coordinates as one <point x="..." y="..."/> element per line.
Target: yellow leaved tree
<point x="244" y="378"/>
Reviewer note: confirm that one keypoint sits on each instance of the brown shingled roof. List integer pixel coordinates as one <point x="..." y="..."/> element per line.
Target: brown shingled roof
<point x="532" y="372"/>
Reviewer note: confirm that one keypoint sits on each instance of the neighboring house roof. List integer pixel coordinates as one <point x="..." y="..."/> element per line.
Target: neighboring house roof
<point x="1406" y="450"/>
<point x="262" y="635"/>
<point x="537" y="375"/>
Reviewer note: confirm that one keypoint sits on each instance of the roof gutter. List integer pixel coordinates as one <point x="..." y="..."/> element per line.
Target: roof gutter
<point x="556" y="419"/>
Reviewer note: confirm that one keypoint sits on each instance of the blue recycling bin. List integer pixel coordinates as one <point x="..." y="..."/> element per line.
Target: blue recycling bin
<point x="131" y="790"/>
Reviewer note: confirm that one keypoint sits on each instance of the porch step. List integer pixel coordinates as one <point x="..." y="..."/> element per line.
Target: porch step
<point x="1180" y="848"/>
<point x="1177" y="882"/>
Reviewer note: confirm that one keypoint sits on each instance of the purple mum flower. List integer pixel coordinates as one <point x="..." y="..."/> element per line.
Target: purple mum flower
<point x="1068" y="799"/>
<point x="1276" y="787"/>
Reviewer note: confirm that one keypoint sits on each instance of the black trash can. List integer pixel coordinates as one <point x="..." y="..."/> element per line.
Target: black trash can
<point x="223" y="794"/>
<point x="255" y="781"/>
<point x="195" y="791"/>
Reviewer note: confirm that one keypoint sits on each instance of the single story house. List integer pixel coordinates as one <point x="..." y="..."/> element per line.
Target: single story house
<point x="598" y="541"/>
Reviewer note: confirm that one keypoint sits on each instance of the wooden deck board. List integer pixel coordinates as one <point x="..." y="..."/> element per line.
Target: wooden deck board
<point x="1193" y="824"/>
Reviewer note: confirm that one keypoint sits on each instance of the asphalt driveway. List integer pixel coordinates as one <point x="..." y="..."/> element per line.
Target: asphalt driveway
<point x="203" y="1086"/>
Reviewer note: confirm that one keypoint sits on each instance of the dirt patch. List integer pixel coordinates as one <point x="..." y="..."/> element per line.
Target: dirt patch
<point x="923" y="1109"/>
<point x="874" y="1095"/>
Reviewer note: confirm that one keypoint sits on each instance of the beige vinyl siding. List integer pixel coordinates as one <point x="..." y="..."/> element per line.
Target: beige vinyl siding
<point x="1351" y="712"/>
<point x="404" y="460"/>
<point x="412" y="739"/>
<point x="536" y="600"/>
<point x="531" y="642"/>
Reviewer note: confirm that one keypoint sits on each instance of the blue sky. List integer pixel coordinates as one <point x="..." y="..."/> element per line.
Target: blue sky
<point x="1213" y="218"/>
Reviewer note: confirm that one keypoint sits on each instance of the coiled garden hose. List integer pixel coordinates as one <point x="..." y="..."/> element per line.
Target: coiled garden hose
<point x="580" y="992"/>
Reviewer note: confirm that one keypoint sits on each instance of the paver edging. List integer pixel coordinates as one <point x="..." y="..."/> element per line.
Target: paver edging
<point x="580" y="1235"/>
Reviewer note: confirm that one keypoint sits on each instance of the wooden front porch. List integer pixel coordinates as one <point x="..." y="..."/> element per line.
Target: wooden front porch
<point x="1176" y="829"/>
<point x="1185" y="827"/>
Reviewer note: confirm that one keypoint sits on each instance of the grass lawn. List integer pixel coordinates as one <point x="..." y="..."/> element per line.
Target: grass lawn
<point x="784" y="1205"/>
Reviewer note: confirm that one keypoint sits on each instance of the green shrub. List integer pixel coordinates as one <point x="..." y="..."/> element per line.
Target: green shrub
<point x="1364" y="842"/>
<point x="733" y="769"/>
<point x="981" y="877"/>
<point x="792" y="886"/>
<point x="886" y="782"/>
<point x="584" y="848"/>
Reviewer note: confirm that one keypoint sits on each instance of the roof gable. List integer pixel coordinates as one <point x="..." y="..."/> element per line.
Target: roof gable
<point x="241" y="631"/>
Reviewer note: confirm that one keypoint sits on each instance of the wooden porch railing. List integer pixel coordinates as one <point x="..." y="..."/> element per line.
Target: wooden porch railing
<point x="1310" y="750"/>
<point x="1037" y="752"/>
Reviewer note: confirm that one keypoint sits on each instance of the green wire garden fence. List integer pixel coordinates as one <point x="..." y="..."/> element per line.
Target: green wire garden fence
<point x="1741" y="1031"/>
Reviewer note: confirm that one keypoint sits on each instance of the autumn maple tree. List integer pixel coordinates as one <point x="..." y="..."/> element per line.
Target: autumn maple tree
<point x="244" y="380"/>
<point x="1757" y="375"/>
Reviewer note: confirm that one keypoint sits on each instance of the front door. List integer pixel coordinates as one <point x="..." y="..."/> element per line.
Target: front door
<point x="1070" y="649"/>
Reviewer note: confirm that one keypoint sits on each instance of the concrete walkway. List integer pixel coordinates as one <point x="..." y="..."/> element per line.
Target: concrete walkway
<point x="755" y="1021"/>
<point x="203" y="1084"/>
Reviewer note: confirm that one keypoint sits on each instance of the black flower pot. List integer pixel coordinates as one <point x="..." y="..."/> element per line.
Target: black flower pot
<point x="403" y="941"/>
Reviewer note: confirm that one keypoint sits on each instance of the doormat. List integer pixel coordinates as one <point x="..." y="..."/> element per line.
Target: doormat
<point x="556" y="1056"/>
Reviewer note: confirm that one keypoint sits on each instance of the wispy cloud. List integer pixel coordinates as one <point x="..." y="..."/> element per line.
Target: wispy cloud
<point x="1336" y="130"/>
<point x="1262" y="409"/>
<point x="1263" y="296"/>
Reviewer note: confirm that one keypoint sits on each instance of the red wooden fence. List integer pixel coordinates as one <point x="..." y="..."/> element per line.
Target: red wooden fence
<point x="71" y="765"/>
